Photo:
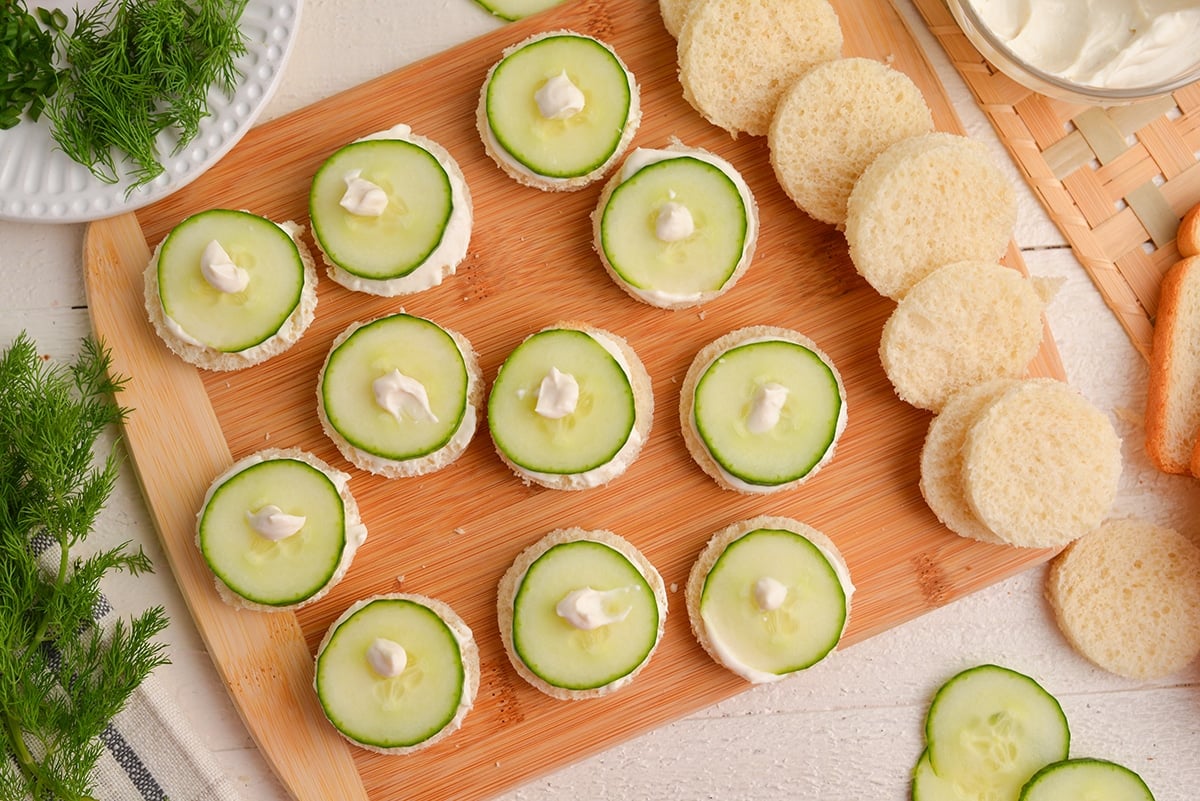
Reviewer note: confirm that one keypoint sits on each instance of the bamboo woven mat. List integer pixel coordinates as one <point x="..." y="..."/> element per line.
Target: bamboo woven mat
<point x="1115" y="181"/>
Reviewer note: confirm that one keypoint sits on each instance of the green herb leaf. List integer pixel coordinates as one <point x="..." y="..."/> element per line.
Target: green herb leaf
<point x="27" y="72"/>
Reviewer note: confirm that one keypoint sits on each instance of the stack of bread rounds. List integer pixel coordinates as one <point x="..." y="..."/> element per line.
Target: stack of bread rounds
<point x="1039" y="464"/>
<point x="925" y="202"/>
<point x="832" y="123"/>
<point x="737" y="57"/>
<point x="964" y="323"/>
<point x="1127" y="597"/>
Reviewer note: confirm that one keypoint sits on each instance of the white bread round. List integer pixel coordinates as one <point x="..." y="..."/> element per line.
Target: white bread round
<point x="1041" y="464"/>
<point x="510" y="583"/>
<point x="643" y="419"/>
<point x="712" y="552"/>
<point x="206" y="358"/>
<point x="1127" y="598"/>
<point x="962" y="324"/>
<point x="1173" y="382"/>
<point x="736" y="57"/>
<point x="645" y="156"/>
<point x="356" y="532"/>
<point x="673" y="13"/>
<point x="444" y="259"/>
<point x="925" y="202"/>
<point x="687" y="423"/>
<point x="832" y="123"/>
<point x="466" y="646"/>
<point x="523" y="174"/>
<point x="1187" y="238"/>
<point x="430" y="462"/>
<point x="942" y="459"/>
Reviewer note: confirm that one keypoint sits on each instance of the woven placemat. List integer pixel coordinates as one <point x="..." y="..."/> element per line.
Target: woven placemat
<point x="1116" y="181"/>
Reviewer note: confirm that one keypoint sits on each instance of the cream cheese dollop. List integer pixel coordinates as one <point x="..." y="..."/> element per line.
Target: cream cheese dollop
<point x="587" y="609"/>
<point x="769" y="594"/>
<point x="766" y="407"/>
<point x="387" y="657"/>
<point x="220" y="271"/>
<point x="1102" y="43"/>
<point x="362" y="197"/>
<point x="557" y="395"/>
<point x="559" y="98"/>
<point x="674" y="222"/>
<point x="400" y="395"/>
<point x="272" y="523"/>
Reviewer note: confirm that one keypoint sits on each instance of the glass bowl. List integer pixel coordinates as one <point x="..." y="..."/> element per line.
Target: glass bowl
<point x="1003" y="58"/>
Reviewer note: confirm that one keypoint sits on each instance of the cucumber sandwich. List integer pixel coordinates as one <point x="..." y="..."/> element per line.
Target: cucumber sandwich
<point x="391" y="213"/>
<point x="278" y="529"/>
<point x="228" y="289"/>
<point x="580" y="613"/>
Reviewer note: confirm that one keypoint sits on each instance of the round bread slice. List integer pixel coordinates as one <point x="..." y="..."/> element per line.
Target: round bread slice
<point x="207" y="358"/>
<point x="674" y="12"/>
<point x="643" y="398"/>
<point x="691" y="436"/>
<point x="708" y="557"/>
<point x="468" y="651"/>
<point x="942" y="459"/>
<point x="833" y="122"/>
<point x="925" y="202"/>
<point x="736" y="57"/>
<point x="1041" y="465"/>
<point x="510" y="584"/>
<point x="962" y="324"/>
<point x="1127" y="597"/>
<point x="355" y="531"/>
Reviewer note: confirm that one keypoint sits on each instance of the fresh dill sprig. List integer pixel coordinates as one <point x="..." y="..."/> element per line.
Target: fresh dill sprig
<point x="62" y="678"/>
<point x="139" y="68"/>
<point x="27" y="72"/>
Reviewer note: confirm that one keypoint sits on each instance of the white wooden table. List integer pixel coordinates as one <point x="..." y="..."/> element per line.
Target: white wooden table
<point x="849" y="729"/>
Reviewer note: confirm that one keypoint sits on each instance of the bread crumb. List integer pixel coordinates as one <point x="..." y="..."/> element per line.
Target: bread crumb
<point x="674" y="586"/>
<point x="460" y="530"/>
<point x="700" y="315"/>
<point x="399" y="580"/>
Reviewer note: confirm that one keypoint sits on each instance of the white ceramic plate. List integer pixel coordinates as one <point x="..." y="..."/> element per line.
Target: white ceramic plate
<point x="40" y="183"/>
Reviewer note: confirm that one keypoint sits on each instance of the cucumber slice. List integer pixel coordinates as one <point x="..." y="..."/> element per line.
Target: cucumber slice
<point x="513" y="10"/>
<point x="398" y="241"/>
<point x="809" y="420"/>
<point x="559" y="148"/>
<point x="808" y="621"/>
<point x="580" y="659"/>
<point x="399" y="711"/>
<point x="419" y="349"/>
<point x="701" y="262"/>
<point x="928" y="786"/>
<point x="278" y="573"/>
<point x="230" y="321"/>
<point x="1086" y="780"/>
<point x="989" y="729"/>
<point x="583" y="440"/>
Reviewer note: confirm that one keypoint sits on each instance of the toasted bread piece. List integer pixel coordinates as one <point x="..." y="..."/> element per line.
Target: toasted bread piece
<point x="510" y="583"/>
<point x="1173" y="384"/>
<point x="1127" y="597"/>
<point x="1041" y="464"/>
<point x="833" y="122"/>
<point x="674" y="12"/>
<point x="923" y="203"/>
<point x="736" y="57"/>
<point x="942" y="459"/>
<point x="963" y="324"/>
<point x="1188" y="237"/>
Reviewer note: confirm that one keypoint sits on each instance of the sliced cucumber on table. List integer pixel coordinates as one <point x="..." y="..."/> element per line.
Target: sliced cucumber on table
<point x="1086" y="780"/>
<point x="230" y="321"/>
<point x="516" y="9"/>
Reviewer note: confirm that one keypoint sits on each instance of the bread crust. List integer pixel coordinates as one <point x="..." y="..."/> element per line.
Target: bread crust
<point x="430" y="462"/>
<point x="206" y="358"/>
<point x="1187" y="239"/>
<point x="748" y="248"/>
<point x="712" y="551"/>
<point x="522" y="174"/>
<point x="510" y="583"/>
<point x="687" y="394"/>
<point x="1173" y="382"/>
<point x="467" y="648"/>
<point x="643" y="421"/>
<point x="355" y="531"/>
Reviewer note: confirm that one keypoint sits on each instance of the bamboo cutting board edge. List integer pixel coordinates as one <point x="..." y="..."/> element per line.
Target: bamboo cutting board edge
<point x="943" y="568"/>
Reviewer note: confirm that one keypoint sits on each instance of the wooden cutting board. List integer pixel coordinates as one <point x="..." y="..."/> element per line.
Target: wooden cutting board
<point x="452" y="534"/>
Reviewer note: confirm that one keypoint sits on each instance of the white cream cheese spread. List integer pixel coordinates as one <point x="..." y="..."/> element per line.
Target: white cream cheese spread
<point x="769" y="594"/>
<point x="1113" y="44"/>
<point x="220" y="271"/>
<point x="766" y="408"/>
<point x="362" y="197"/>
<point x="557" y="395"/>
<point x="403" y="396"/>
<point x="674" y="222"/>
<point x="272" y="523"/>
<point x="558" y="98"/>
<point x="387" y="657"/>
<point x="588" y="609"/>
